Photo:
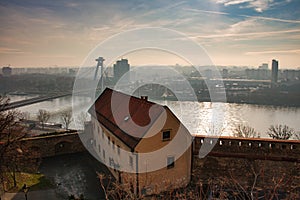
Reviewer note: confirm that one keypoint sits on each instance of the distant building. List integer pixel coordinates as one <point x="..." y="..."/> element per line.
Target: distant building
<point x="274" y="76"/>
<point x="264" y="66"/>
<point x="225" y="73"/>
<point x="121" y="137"/>
<point x="291" y="75"/>
<point x="6" y="71"/>
<point x="120" y="68"/>
<point x="72" y="72"/>
<point x="17" y="71"/>
<point x="258" y="74"/>
<point x="208" y="73"/>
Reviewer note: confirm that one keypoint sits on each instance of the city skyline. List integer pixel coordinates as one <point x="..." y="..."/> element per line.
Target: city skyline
<point x="233" y="32"/>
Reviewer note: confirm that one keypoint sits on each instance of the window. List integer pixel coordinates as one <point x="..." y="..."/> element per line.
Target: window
<point x="131" y="161"/>
<point x="113" y="145"/>
<point x="102" y="135"/>
<point x="108" y="140"/>
<point x="103" y="152"/>
<point x="118" y="149"/>
<point x="111" y="162"/>
<point x="99" y="148"/>
<point x="166" y="135"/>
<point x="170" y="162"/>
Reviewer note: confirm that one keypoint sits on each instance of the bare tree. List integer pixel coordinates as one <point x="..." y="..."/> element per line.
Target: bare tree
<point x="14" y="153"/>
<point x="66" y="118"/>
<point x="214" y="130"/>
<point x="81" y="119"/>
<point x="114" y="190"/>
<point x="280" y="132"/>
<point x="25" y="115"/>
<point x="43" y="116"/>
<point x="297" y="136"/>
<point x="245" y="131"/>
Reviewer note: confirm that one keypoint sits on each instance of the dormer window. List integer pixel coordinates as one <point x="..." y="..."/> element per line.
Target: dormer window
<point x="166" y="135"/>
<point x="126" y="118"/>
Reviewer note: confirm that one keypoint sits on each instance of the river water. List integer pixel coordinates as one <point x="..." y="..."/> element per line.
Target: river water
<point x="199" y="117"/>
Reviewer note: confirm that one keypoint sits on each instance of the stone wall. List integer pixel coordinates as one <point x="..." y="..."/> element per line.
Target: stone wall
<point x="238" y="163"/>
<point x="55" y="144"/>
<point x="250" y="148"/>
<point x="266" y="167"/>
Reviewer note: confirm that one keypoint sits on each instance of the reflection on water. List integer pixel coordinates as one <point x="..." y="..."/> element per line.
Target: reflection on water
<point x="57" y="106"/>
<point x="198" y="117"/>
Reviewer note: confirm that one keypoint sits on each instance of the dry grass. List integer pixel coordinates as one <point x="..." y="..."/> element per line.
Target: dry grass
<point x="32" y="180"/>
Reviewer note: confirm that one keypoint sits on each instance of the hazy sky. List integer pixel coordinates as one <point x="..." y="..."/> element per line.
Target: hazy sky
<point x="234" y="32"/>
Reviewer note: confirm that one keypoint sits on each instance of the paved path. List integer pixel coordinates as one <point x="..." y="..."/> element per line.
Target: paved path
<point x="33" y="195"/>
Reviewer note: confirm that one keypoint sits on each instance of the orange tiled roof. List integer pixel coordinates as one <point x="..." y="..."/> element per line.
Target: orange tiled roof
<point x="116" y="119"/>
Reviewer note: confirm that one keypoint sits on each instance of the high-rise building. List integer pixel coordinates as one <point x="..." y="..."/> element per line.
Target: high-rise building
<point x="274" y="76"/>
<point x="120" y="68"/>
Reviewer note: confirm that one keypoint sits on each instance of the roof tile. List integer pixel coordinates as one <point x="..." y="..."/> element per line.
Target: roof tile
<point x="125" y="116"/>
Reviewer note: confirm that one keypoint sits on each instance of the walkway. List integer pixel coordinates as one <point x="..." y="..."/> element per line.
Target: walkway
<point x="33" y="195"/>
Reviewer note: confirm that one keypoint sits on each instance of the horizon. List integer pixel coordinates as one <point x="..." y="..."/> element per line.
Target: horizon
<point x="234" y="33"/>
<point x="155" y="65"/>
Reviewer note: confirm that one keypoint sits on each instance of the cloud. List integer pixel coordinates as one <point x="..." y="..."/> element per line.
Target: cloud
<point x="297" y="51"/>
<point x="206" y="11"/>
<point x="57" y="56"/>
<point x="247" y="16"/>
<point x="249" y="29"/>
<point x="228" y="3"/>
<point x="261" y="34"/>
<point x="260" y="5"/>
<point x="74" y="27"/>
<point x="4" y="50"/>
<point x="272" y="19"/>
<point x="162" y="9"/>
<point x="257" y="5"/>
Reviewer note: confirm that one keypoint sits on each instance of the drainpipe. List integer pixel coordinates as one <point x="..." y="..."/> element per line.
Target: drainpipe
<point x="137" y="174"/>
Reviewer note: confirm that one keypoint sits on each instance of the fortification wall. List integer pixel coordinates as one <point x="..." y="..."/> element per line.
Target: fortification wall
<point x="55" y="144"/>
<point x="264" y="166"/>
<point x="250" y="148"/>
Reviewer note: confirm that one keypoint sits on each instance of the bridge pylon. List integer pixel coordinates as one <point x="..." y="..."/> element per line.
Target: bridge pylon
<point x="100" y="61"/>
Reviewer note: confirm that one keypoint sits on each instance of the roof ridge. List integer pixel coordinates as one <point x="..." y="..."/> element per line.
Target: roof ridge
<point x="131" y="96"/>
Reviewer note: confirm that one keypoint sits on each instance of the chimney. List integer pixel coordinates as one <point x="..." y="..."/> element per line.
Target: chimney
<point x="145" y="98"/>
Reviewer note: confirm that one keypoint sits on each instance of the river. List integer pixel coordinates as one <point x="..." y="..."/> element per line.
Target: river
<point x="196" y="116"/>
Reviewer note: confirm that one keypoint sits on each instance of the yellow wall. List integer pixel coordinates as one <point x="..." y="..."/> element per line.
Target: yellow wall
<point x="179" y="146"/>
<point x="111" y="151"/>
<point x="152" y="155"/>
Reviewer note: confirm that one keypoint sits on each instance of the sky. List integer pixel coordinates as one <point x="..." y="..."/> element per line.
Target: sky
<point x="49" y="33"/>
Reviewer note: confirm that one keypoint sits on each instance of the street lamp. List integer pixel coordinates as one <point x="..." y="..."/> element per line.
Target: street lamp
<point x="25" y="190"/>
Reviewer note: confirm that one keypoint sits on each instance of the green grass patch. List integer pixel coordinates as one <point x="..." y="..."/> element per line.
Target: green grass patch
<point x="32" y="180"/>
